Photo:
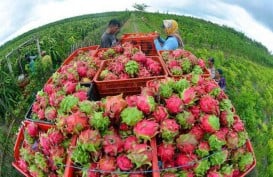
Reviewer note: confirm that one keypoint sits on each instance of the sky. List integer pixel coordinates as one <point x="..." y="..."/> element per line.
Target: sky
<point x="254" y="18"/>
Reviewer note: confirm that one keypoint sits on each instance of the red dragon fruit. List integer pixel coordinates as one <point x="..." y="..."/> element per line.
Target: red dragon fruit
<point x="210" y="123"/>
<point x="218" y="139"/>
<point x="41" y="114"/>
<point x="203" y="149"/>
<point x="139" y="57"/>
<point x="213" y="173"/>
<point x="141" y="155"/>
<point x="185" y="119"/>
<point x="112" y="144"/>
<point x="50" y="113"/>
<point x="238" y="124"/>
<point x="76" y="122"/>
<point x="195" y="110"/>
<point x="232" y="139"/>
<point x="116" y="67"/>
<point x="114" y="106"/>
<point x="185" y="161"/>
<point x="82" y="68"/>
<point x="188" y="96"/>
<point x="129" y="143"/>
<point x="146" y="129"/>
<point x="210" y="85"/>
<point x="124" y="163"/>
<point x="44" y="143"/>
<point x="49" y="88"/>
<point x="153" y="66"/>
<point x="55" y="136"/>
<point x="219" y="157"/>
<point x="174" y="104"/>
<point x="146" y="104"/>
<point x="41" y="161"/>
<point x="90" y="140"/>
<point x="160" y="113"/>
<point x="32" y="129"/>
<point x="23" y="165"/>
<point x="209" y="105"/>
<point x="226" y="118"/>
<point x="198" y="132"/>
<point x="201" y="63"/>
<point x="131" y="116"/>
<point x="187" y="143"/>
<point x="227" y="170"/>
<point x="82" y="95"/>
<point x="57" y="155"/>
<point x="169" y="130"/>
<point x="143" y="72"/>
<point x="107" y="164"/>
<point x="70" y="87"/>
<point x="131" y="100"/>
<point x="166" y="152"/>
<point x="173" y="63"/>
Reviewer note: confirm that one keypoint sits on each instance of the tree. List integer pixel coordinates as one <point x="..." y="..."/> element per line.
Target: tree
<point x="140" y="7"/>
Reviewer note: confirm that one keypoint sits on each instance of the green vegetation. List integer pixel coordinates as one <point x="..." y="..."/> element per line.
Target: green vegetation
<point x="247" y="66"/>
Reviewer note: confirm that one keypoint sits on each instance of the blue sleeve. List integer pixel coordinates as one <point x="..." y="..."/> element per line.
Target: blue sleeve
<point x="170" y="44"/>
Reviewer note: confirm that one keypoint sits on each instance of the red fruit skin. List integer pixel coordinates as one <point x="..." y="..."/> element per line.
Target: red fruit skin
<point x="186" y="162"/>
<point x="146" y="129"/>
<point x="198" y="132"/>
<point x="232" y="140"/>
<point x="169" y="174"/>
<point x="160" y="113"/>
<point x="70" y="87"/>
<point x="195" y="110"/>
<point x="143" y="104"/>
<point x="23" y="165"/>
<point x="124" y="163"/>
<point x="166" y="152"/>
<point x="174" y="104"/>
<point x="75" y="123"/>
<point x="209" y="105"/>
<point x="32" y="129"/>
<point x="112" y="145"/>
<point x="49" y="88"/>
<point x="56" y="137"/>
<point x="129" y="143"/>
<point x="82" y="95"/>
<point x="205" y="124"/>
<point x="188" y="95"/>
<point x="114" y="105"/>
<point x="107" y="164"/>
<point x="238" y="125"/>
<point x="131" y="100"/>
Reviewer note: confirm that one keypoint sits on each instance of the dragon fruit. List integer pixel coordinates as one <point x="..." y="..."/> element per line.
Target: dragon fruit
<point x="209" y="105"/>
<point x="227" y="170"/>
<point x="195" y="110"/>
<point x="188" y="96"/>
<point x="124" y="163"/>
<point x="107" y="164"/>
<point x="169" y="130"/>
<point x="146" y="129"/>
<point x="132" y="68"/>
<point x="76" y="122"/>
<point x="143" y="72"/>
<point x="146" y="104"/>
<point x="41" y="114"/>
<point x="131" y="116"/>
<point x="110" y="76"/>
<point x="141" y="155"/>
<point x="80" y="156"/>
<point x="245" y="161"/>
<point x="32" y="129"/>
<point x="238" y="124"/>
<point x="57" y="155"/>
<point x="114" y="105"/>
<point x="232" y="139"/>
<point x="82" y="95"/>
<point x="23" y="165"/>
<point x="218" y="139"/>
<point x="203" y="149"/>
<point x="68" y="104"/>
<point x="160" y="113"/>
<point x="181" y="85"/>
<point x="166" y="152"/>
<point x="131" y="100"/>
<point x="55" y="136"/>
<point x="139" y="57"/>
<point x="226" y="118"/>
<point x="165" y="89"/>
<point x="129" y="143"/>
<point x="70" y="87"/>
<point x="36" y="171"/>
<point x="185" y="161"/>
<point x="49" y="89"/>
<point x="41" y="161"/>
<point x="44" y="143"/>
<point x="186" y="65"/>
<point x="116" y="67"/>
<point x="153" y="66"/>
<point x="210" y="123"/>
<point x="176" y="70"/>
<point x="88" y="107"/>
<point x="174" y="104"/>
<point x="219" y="157"/>
<point x="99" y="121"/>
<point x="185" y="119"/>
<point x="50" y="113"/>
<point x="90" y="140"/>
<point x="198" y="132"/>
<point x="213" y="173"/>
<point x="201" y="167"/>
<point x="90" y="169"/>
<point x="187" y="143"/>
<point x="112" y="144"/>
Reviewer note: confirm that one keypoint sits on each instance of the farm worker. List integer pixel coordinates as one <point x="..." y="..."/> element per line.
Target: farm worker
<point x="109" y="38"/>
<point x="211" y="67"/>
<point x="46" y="60"/>
<point x="173" y="40"/>
<point x="219" y="78"/>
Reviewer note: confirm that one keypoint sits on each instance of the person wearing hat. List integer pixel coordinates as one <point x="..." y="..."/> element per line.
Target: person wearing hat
<point x="211" y="67"/>
<point x="173" y="40"/>
<point x="219" y="78"/>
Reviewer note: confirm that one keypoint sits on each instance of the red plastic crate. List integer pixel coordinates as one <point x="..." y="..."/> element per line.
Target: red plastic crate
<point x="19" y="141"/>
<point x="125" y="86"/>
<point x="144" y="40"/>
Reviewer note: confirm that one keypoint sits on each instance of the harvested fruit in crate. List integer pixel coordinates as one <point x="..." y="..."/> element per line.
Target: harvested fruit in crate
<point x="40" y="150"/>
<point x="181" y="62"/>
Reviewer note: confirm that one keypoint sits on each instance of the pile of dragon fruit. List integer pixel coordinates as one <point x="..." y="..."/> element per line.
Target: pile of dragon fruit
<point x="191" y="120"/>
<point x="181" y="62"/>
